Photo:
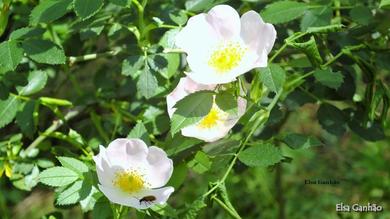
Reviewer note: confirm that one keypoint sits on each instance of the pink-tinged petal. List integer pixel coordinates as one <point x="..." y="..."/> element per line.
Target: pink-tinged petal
<point x="225" y="20"/>
<point x="160" y="167"/>
<point x="257" y="34"/>
<point x="185" y="87"/>
<point x="125" y="153"/>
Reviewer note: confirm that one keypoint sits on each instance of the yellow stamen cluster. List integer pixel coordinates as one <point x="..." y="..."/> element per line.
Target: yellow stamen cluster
<point x="227" y="57"/>
<point x="215" y="116"/>
<point x="129" y="181"/>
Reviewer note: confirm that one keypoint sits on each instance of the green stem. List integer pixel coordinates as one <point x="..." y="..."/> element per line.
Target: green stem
<point x="277" y="52"/>
<point x="20" y="97"/>
<point x="291" y="38"/>
<point x="74" y="59"/>
<point x="97" y="123"/>
<point x="56" y="125"/>
<point x="226" y="208"/>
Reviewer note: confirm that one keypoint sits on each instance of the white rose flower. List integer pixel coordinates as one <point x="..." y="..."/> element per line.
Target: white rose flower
<point x="220" y="46"/>
<point x="216" y="124"/>
<point x="133" y="174"/>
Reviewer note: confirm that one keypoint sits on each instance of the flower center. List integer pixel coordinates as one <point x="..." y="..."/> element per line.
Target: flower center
<point x="129" y="181"/>
<point x="212" y="118"/>
<point x="226" y="57"/>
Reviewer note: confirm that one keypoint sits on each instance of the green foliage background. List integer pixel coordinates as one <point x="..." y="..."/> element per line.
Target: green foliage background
<point x="78" y="73"/>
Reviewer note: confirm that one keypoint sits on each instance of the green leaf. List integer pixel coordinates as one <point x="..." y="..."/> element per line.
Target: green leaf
<point x="11" y="54"/>
<point x="316" y="18"/>
<point x="25" y="119"/>
<point x="179" y="17"/>
<point x="227" y="102"/>
<point x="370" y="131"/>
<point x="329" y="78"/>
<point x="283" y="11"/>
<point x="36" y="82"/>
<point x="88" y="203"/>
<point x="193" y="210"/>
<point x="178" y="176"/>
<point x="261" y="155"/>
<point x="44" y="51"/>
<point x="297" y="141"/>
<point x="221" y="147"/>
<point x="273" y="77"/>
<point x="49" y="10"/>
<point x="139" y="131"/>
<point x="26" y="32"/>
<point x="198" y="5"/>
<point x="191" y="109"/>
<point x="310" y="49"/>
<point x="132" y="64"/>
<point x="165" y="64"/>
<point x="201" y="162"/>
<point x="8" y="109"/>
<point x="102" y="209"/>
<point x="123" y="3"/>
<point x="256" y="90"/>
<point x="58" y="176"/>
<point x="147" y="83"/>
<point x="179" y="143"/>
<point x="331" y="119"/>
<point x="385" y="4"/>
<point x="74" y="193"/>
<point x="87" y="8"/>
<point x="361" y="15"/>
<point x="73" y="164"/>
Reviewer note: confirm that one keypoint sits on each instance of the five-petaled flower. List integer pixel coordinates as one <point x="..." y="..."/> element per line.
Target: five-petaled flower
<point x="133" y="174"/>
<point x="216" y="124"/>
<point x="220" y="46"/>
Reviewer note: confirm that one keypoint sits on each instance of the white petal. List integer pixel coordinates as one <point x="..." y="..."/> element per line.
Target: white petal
<point x="161" y="195"/>
<point x="119" y="197"/>
<point x="160" y="167"/>
<point x="189" y="37"/>
<point x="209" y="77"/>
<point x="104" y="170"/>
<point x="225" y="20"/>
<point x="257" y="35"/>
<point x="126" y="153"/>
<point x="208" y="135"/>
<point x="185" y="87"/>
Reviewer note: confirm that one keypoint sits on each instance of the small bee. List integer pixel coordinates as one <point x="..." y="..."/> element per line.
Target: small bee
<point x="147" y="199"/>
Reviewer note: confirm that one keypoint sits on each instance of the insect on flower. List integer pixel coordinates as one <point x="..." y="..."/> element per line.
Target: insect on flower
<point x="128" y="169"/>
<point x="147" y="199"/>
